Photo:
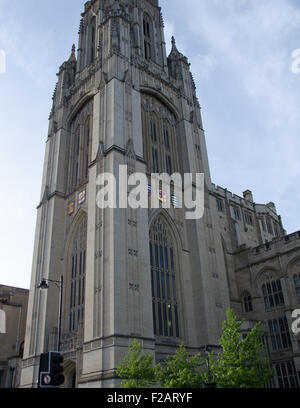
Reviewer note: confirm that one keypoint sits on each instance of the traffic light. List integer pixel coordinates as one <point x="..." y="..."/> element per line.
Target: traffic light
<point x="51" y="370"/>
<point x="56" y="369"/>
<point x="44" y="370"/>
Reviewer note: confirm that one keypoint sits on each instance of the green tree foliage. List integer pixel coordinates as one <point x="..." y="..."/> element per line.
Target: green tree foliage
<point x="181" y="371"/>
<point x="137" y="368"/>
<point x="241" y="363"/>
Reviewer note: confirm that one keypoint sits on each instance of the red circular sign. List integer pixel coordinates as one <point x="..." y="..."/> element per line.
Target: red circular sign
<point x="47" y="379"/>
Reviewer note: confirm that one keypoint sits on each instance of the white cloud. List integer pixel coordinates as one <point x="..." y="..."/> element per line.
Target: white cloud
<point x="31" y="50"/>
<point x="248" y="44"/>
<point x="204" y="65"/>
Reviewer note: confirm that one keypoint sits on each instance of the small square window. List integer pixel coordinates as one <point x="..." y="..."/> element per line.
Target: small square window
<point x="248" y="219"/>
<point x="220" y="206"/>
<point x="236" y="213"/>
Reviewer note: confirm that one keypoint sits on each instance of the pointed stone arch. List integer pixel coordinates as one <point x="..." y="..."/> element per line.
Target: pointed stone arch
<point x="171" y="223"/>
<point x="148" y="90"/>
<point x="266" y="273"/>
<point x="69" y="374"/>
<point x="80" y="214"/>
<point x="269" y="287"/>
<point x="83" y="101"/>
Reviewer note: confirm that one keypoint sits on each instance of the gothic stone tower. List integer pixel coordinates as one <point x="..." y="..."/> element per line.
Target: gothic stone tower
<point x="122" y="101"/>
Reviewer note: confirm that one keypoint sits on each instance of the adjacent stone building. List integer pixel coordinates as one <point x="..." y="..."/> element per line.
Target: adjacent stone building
<point x="13" y="311"/>
<point x="263" y="269"/>
<point x="149" y="274"/>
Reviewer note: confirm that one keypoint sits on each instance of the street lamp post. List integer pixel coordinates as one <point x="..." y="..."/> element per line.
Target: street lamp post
<point x="44" y="286"/>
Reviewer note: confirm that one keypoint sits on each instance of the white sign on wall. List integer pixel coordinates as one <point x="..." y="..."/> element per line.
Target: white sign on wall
<point x="2" y="322"/>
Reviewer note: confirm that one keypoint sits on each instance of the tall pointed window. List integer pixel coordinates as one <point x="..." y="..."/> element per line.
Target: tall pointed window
<point x="160" y="135"/>
<point x="80" y="147"/>
<point x="92" y="41"/>
<point x="81" y="154"/>
<point x="77" y="265"/>
<point x="163" y="279"/>
<point x="147" y="38"/>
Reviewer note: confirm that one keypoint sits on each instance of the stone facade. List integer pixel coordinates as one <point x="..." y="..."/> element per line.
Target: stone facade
<point x="269" y="275"/>
<point x="13" y="310"/>
<point x="122" y="101"/>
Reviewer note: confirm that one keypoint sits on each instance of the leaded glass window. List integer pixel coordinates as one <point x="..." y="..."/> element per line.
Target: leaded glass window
<point x="287" y="375"/>
<point x="163" y="279"/>
<point x="247" y="302"/>
<point x="77" y="276"/>
<point x="272" y="293"/>
<point x="279" y="334"/>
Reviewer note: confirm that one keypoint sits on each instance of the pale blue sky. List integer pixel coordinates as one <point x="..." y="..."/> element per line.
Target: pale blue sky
<point x="240" y="54"/>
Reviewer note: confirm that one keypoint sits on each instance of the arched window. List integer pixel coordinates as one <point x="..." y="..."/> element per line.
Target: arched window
<point x="77" y="273"/>
<point x="161" y="148"/>
<point x="272" y="293"/>
<point x="247" y="302"/>
<point x="80" y="147"/>
<point x="147" y="31"/>
<point x="163" y="278"/>
<point x="296" y="279"/>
